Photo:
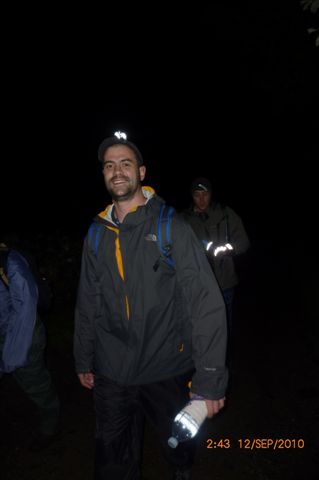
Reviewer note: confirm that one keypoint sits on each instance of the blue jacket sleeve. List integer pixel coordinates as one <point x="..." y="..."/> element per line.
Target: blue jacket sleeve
<point x="21" y="315"/>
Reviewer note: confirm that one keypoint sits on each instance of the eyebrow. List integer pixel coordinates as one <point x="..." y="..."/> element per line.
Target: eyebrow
<point x="121" y="161"/>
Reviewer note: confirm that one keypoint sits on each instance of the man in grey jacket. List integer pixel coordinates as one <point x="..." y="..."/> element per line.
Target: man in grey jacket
<point x="143" y="329"/>
<point x="223" y="237"/>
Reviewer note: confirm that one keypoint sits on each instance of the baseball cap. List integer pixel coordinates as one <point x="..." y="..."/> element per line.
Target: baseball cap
<point x="119" y="138"/>
<point x="202" y="184"/>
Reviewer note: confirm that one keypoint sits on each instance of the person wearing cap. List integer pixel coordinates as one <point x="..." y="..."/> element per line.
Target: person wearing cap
<point x="141" y="333"/>
<point x="223" y="236"/>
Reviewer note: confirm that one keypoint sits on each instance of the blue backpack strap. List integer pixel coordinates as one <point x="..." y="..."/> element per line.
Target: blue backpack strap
<point x="164" y="233"/>
<point x="94" y="236"/>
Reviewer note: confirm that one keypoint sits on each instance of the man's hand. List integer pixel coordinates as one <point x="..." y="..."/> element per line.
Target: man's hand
<point x="87" y="380"/>
<point x="213" y="406"/>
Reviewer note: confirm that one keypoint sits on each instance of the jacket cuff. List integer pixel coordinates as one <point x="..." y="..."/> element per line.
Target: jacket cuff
<point x="210" y="384"/>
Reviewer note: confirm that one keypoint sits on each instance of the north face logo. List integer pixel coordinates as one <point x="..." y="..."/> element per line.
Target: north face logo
<point x="151" y="237"/>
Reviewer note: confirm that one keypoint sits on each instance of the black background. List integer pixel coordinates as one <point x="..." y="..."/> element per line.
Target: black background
<point x="227" y="91"/>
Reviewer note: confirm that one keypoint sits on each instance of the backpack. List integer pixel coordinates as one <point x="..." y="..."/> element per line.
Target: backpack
<point x="163" y="237"/>
<point x="18" y="309"/>
<point x="45" y="294"/>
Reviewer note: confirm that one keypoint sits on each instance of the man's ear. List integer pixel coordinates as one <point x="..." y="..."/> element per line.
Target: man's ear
<point x="142" y="170"/>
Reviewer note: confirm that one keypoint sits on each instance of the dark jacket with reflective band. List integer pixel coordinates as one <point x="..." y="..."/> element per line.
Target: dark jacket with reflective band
<point x="220" y="225"/>
<point x="139" y="325"/>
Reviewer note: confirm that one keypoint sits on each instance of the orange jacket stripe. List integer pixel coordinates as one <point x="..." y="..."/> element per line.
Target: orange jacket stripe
<point x="119" y="261"/>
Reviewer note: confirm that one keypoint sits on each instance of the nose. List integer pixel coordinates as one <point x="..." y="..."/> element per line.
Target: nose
<point x="117" y="169"/>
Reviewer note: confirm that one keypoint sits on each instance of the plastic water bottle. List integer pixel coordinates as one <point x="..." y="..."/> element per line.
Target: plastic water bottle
<point x="188" y="421"/>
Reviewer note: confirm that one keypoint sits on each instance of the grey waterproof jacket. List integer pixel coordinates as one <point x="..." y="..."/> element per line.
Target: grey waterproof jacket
<point x="220" y="225"/>
<point x="136" y="324"/>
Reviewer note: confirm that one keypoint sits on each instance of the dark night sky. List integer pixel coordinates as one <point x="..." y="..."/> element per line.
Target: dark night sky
<point x="227" y="91"/>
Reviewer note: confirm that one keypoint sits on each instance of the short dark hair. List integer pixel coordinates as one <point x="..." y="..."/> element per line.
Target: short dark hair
<point x="110" y="141"/>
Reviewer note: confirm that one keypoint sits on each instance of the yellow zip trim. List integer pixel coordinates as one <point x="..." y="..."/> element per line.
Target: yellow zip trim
<point x="118" y="256"/>
<point x="149" y="189"/>
<point x="114" y="229"/>
<point x="119" y="261"/>
<point x="127" y="307"/>
<point x="105" y="212"/>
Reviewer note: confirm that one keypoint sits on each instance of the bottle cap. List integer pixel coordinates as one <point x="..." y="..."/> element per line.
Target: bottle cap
<point x="172" y="442"/>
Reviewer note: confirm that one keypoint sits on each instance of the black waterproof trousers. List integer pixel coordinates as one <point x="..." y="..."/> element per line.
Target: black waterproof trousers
<point x="120" y="412"/>
<point x="35" y="380"/>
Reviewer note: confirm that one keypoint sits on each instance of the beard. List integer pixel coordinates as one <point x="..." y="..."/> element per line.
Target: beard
<point x="123" y="191"/>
